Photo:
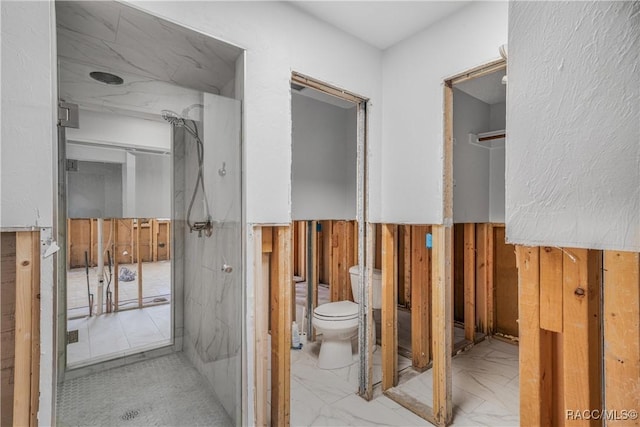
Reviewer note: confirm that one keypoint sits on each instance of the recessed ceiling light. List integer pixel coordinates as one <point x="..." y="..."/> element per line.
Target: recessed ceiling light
<point x="108" y="78"/>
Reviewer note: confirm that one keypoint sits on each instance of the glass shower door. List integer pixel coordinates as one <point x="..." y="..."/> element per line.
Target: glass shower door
<point x="213" y="265"/>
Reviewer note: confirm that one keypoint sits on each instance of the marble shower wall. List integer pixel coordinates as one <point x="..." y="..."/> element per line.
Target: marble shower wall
<point x="212" y="298"/>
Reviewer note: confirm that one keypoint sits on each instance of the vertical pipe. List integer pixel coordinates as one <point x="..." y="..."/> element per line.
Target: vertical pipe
<point x="100" y="267"/>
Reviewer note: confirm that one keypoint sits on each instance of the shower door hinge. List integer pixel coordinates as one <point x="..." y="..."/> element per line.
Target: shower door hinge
<point x="68" y="115"/>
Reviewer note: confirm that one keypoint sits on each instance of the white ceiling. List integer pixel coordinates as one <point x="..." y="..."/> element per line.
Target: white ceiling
<point x="380" y="23"/>
<point x="117" y="38"/>
<point x="488" y="89"/>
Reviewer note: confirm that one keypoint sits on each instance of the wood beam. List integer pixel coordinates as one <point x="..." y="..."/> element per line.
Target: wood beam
<point x="138" y="227"/>
<point x="484" y="278"/>
<point x="622" y="335"/>
<point x="470" y="281"/>
<point x="27" y="281"/>
<point x="551" y="289"/>
<point x="116" y="273"/>
<point x="261" y="315"/>
<point x="281" y="277"/>
<point x="389" y="307"/>
<point x="420" y="297"/>
<point x="535" y="367"/>
<point x="581" y="332"/>
<point x="442" y="324"/>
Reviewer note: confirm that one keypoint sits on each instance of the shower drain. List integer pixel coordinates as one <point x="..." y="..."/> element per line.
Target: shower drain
<point x="129" y="415"/>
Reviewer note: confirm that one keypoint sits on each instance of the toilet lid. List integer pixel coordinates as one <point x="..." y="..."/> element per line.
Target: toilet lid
<point x="337" y="310"/>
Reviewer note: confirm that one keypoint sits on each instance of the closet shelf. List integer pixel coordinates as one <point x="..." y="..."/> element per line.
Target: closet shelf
<point x="491" y="139"/>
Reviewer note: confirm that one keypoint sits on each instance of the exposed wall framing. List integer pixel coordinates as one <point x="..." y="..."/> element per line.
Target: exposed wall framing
<point x="20" y="327"/>
<point x="155" y="240"/>
<point x="281" y="277"/>
<point x="561" y="367"/>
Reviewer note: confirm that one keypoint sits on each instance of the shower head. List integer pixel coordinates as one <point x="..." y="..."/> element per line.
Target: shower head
<point x="172" y="117"/>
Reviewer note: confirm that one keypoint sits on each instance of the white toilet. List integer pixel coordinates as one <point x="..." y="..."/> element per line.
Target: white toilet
<point x="338" y="323"/>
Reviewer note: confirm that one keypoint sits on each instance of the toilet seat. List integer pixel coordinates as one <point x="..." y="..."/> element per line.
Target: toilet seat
<point x="336" y="311"/>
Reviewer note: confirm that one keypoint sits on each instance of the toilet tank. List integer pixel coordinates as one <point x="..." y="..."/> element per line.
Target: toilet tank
<point x="377" y="285"/>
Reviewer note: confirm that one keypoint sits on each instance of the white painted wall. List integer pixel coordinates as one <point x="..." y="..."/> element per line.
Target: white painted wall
<point x="153" y="185"/>
<point x="324" y="167"/>
<point x="573" y="116"/>
<point x="471" y="164"/>
<point x="27" y="152"/>
<point x="497" y="119"/>
<point x="115" y="129"/>
<point x="413" y="74"/>
<point x="27" y="116"/>
<point x="280" y="39"/>
<point x="95" y="190"/>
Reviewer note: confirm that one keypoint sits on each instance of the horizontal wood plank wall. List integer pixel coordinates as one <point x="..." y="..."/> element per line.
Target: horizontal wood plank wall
<point x="420" y="297"/>
<point x="622" y="335"/>
<point x="281" y="278"/>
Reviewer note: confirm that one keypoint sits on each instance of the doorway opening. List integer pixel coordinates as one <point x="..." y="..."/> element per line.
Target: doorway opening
<point x="150" y="209"/>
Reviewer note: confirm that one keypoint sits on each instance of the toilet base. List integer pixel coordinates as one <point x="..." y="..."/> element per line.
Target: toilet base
<point x="335" y="354"/>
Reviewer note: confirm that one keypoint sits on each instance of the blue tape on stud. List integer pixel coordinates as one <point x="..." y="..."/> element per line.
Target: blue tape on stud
<point x="318" y="227"/>
<point x="429" y="241"/>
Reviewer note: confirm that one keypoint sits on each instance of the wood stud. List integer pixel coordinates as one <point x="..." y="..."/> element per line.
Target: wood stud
<point x="389" y="307"/>
<point x="442" y="321"/>
<point x="622" y="335"/>
<point x="420" y="297"/>
<point x="281" y="277"/>
<point x="469" y="281"/>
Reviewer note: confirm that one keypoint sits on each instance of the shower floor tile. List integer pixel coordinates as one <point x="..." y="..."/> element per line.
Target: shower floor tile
<point x="118" y="334"/>
<point x="165" y="391"/>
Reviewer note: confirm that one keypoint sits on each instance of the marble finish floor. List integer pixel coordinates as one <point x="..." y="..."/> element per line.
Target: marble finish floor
<point x="164" y="391"/>
<point x="119" y="334"/>
<point x="156" y="283"/>
<point x="485" y="390"/>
